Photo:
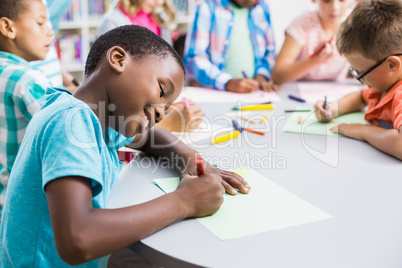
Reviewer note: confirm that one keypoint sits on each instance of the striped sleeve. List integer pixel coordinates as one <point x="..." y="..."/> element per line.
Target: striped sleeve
<point x="298" y="29"/>
<point x="29" y="93"/>
<point x="201" y="45"/>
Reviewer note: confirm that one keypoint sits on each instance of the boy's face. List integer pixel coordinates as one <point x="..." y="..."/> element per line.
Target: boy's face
<point x="381" y="78"/>
<point x="143" y="92"/>
<point x="33" y="36"/>
<point x="244" y="3"/>
<point x="332" y="11"/>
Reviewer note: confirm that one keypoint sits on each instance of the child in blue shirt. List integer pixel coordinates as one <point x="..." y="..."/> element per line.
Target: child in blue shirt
<point x="22" y="87"/>
<point x="230" y="45"/>
<point x="68" y="161"/>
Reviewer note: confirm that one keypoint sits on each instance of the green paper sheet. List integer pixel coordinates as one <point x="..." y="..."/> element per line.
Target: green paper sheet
<point x="310" y="125"/>
<point x="267" y="207"/>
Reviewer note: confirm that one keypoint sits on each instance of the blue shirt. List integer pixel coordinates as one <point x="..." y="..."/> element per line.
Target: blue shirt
<point x="64" y="138"/>
<point x="209" y="36"/>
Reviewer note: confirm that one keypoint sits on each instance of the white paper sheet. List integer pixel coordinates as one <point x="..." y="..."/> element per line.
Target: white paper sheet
<point x="207" y="95"/>
<point x="314" y="91"/>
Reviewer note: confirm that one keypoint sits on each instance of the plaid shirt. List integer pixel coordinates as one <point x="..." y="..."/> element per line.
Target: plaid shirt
<point x="22" y="91"/>
<point x="208" y="39"/>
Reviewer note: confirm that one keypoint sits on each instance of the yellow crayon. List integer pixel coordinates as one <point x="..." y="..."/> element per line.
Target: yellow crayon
<point x="262" y="120"/>
<point x="255" y="107"/>
<point x="226" y="137"/>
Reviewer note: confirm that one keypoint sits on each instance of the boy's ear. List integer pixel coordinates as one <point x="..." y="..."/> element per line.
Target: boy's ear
<point x="7" y="28"/>
<point x="116" y="57"/>
<point x="394" y="63"/>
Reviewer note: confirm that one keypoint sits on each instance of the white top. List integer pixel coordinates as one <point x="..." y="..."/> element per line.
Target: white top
<point x="306" y="29"/>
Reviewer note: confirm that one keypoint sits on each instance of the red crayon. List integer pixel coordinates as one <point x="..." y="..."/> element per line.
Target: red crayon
<point x="321" y="48"/>
<point x="200" y="166"/>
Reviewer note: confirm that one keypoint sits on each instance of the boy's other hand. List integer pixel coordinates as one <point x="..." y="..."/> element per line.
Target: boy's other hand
<point x="242" y="85"/>
<point x="265" y="85"/>
<point x="202" y="195"/>
<point x="230" y="180"/>
<point x="354" y="131"/>
<point x="320" y="112"/>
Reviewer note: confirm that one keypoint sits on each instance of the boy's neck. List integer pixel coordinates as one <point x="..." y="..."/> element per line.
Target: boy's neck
<point x="7" y="46"/>
<point x="92" y="91"/>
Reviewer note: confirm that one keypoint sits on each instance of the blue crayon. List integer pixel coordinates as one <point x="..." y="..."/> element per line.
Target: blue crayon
<point x="296" y="98"/>
<point x="237" y="126"/>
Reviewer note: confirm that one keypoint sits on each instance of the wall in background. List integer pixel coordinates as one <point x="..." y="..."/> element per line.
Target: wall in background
<point x="282" y="14"/>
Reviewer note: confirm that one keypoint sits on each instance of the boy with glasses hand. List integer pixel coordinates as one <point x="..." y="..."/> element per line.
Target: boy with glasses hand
<point x="371" y="40"/>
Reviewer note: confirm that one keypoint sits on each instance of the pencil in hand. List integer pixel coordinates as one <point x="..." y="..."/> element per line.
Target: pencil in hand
<point x="321" y="48"/>
<point x="326" y="109"/>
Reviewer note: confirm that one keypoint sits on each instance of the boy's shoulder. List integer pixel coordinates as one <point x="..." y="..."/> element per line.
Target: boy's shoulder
<point x="59" y="100"/>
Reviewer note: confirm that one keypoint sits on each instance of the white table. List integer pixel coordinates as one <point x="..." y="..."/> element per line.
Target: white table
<point x="363" y="193"/>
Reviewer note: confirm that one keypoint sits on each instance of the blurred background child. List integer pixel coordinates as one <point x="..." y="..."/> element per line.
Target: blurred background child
<point x="156" y="15"/>
<point x="230" y="45"/>
<point x="309" y="52"/>
<point x="371" y="39"/>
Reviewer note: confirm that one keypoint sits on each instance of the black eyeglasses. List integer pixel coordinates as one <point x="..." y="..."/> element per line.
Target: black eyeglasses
<point x="359" y="77"/>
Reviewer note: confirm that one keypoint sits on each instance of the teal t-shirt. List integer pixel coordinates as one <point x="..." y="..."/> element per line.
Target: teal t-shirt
<point x="64" y="138"/>
<point x="240" y="53"/>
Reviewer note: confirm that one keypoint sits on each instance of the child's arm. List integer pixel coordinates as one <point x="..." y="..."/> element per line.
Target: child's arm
<point x="352" y="102"/>
<point x="387" y="140"/>
<point x="287" y="69"/>
<point x="196" y="55"/>
<point x="83" y="233"/>
<point x="161" y="143"/>
<point x="264" y="64"/>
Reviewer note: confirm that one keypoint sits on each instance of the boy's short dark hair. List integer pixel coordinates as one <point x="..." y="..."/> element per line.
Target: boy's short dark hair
<point x="373" y="29"/>
<point x="136" y="40"/>
<point x="12" y="8"/>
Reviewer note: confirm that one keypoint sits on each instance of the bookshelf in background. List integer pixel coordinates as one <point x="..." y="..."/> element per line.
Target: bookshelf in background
<point x="184" y="10"/>
<point x="78" y="30"/>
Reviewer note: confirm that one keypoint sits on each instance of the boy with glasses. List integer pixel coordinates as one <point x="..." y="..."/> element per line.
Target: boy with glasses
<point x="371" y="40"/>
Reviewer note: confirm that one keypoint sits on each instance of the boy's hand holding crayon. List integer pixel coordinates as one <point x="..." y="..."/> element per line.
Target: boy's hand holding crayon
<point x="203" y="196"/>
<point x="325" y="114"/>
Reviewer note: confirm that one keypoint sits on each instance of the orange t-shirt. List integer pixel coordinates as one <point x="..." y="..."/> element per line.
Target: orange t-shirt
<point x="385" y="112"/>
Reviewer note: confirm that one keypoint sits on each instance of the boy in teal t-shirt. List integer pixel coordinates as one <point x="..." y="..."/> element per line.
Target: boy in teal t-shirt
<point x="22" y="87"/>
<point x="55" y="207"/>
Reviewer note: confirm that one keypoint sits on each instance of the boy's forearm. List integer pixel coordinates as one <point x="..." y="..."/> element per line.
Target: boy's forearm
<point x="348" y="104"/>
<point x="386" y="140"/>
<point x="83" y="233"/>
<point x="162" y="143"/>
